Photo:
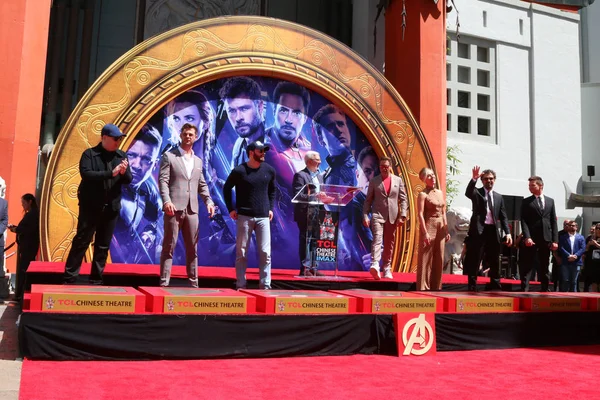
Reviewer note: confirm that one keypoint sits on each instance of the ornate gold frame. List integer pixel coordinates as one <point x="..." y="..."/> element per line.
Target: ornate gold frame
<point x="139" y="83"/>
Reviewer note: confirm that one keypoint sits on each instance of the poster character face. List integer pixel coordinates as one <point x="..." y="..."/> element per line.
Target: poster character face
<point x="334" y="133"/>
<point x="369" y="166"/>
<point x="185" y="113"/>
<point x="244" y="115"/>
<point x="142" y="157"/>
<point x="289" y="116"/>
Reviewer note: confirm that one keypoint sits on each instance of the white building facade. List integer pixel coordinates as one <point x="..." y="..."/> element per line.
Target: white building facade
<point x="590" y="105"/>
<point x="514" y="96"/>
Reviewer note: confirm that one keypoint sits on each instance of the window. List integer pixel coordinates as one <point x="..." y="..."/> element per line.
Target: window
<point x="471" y="89"/>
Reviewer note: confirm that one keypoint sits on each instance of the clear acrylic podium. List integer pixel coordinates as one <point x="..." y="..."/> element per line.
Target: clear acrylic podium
<point x="322" y="198"/>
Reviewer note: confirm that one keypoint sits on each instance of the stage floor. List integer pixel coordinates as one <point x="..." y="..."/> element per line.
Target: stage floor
<point x="135" y="275"/>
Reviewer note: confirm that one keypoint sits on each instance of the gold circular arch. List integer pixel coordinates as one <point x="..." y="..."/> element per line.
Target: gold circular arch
<point x="143" y="80"/>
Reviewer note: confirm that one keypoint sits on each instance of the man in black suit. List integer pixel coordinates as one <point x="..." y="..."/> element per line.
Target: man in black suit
<point x="484" y="236"/>
<point x="540" y="233"/>
<point x="306" y="215"/>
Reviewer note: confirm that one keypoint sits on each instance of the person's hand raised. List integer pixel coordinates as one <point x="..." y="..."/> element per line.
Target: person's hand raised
<point x="476" y="173"/>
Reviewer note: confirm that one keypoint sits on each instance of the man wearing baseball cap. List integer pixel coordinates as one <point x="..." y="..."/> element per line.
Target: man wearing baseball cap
<point x="103" y="169"/>
<point x="254" y="183"/>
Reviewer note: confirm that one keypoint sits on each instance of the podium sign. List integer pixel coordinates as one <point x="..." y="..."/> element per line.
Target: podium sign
<point x="322" y="204"/>
<point x="415" y="334"/>
<point x="326" y="244"/>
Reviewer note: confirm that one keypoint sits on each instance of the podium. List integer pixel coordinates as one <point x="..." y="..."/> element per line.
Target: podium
<point x="322" y="203"/>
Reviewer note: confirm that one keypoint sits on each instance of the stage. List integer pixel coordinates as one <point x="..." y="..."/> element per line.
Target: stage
<point x="131" y="318"/>
<point x="135" y="275"/>
<point x="65" y="336"/>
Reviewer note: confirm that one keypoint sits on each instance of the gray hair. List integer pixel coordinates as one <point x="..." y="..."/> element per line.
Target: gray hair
<point x="310" y="155"/>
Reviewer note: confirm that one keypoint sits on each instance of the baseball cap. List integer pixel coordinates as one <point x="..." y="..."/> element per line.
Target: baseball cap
<point x="258" y="145"/>
<point x="112" y="131"/>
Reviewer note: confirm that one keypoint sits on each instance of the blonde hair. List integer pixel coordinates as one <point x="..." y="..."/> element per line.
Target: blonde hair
<point x="423" y="173"/>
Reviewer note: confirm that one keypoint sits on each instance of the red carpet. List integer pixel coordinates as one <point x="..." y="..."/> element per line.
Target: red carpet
<point x="550" y="373"/>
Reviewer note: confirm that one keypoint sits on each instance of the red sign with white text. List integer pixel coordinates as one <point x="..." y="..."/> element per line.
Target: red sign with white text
<point x="415" y="334"/>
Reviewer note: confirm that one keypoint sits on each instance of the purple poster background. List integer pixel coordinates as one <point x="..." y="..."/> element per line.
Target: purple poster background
<point x="292" y="120"/>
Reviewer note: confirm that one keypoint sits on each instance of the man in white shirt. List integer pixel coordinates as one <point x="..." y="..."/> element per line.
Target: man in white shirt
<point x="488" y="226"/>
<point x="180" y="181"/>
<point x="540" y="233"/>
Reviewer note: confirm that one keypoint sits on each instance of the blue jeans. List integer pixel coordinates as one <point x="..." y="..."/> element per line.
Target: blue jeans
<point x="568" y="277"/>
<point x="262" y="227"/>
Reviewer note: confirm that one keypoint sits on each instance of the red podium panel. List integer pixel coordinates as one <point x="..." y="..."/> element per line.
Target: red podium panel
<point x="174" y="300"/>
<point x="591" y="300"/>
<point x="415" y="334"/>
<point x="548" y="302"/>
<point x="302" y="302"/>
<point x="86" y="299"/>
<point x="473" y="302"/>
<point x="391" y="302"/>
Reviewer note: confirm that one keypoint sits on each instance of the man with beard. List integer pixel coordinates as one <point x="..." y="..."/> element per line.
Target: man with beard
<point x="140" y="200"/>
<point x="368" y="164"/>
<point x="484" y="232"/>
<point x="288" y="145"/>
<point x="104" y="170"/>
<point x="288" y="148"/>
<point x="245" y="109"/>
<point x="331" y="128"/>
<point x="181" y="180"/>
<point x="254" y="182"/>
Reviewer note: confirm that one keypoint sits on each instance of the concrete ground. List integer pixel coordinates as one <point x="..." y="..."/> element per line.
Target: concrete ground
<point x="10" y="363"/>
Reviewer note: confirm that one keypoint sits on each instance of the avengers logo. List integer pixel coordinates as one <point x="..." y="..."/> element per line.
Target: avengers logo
<point x="417" y="336"/>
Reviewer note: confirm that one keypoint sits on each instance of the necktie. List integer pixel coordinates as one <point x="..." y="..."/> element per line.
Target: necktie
<point x="489" y="202"/>
<point x="539" y="200"/>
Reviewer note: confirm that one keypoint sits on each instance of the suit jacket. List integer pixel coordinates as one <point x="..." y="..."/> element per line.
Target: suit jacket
<point x="539" y="225"/>
<point x="302" y="178"/>
<point x="480" y="207"/>
<point x="565" y="250"/>
<point x="3" y="219"/>
<point x="98" y="186"/>
<point x="386" y="207"/>
<point x="175" y="186"/>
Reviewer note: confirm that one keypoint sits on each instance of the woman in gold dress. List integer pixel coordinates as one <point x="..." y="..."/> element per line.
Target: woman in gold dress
<point x="433" y="233"/>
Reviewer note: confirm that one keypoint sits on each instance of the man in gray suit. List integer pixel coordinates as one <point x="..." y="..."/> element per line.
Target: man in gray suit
<point x="387" y="196"/>
<point x="180" y="181"/>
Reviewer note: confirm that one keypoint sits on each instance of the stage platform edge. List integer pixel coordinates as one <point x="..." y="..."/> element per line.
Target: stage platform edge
<point x="86" y="299"/>
<point x="174" y="300"/>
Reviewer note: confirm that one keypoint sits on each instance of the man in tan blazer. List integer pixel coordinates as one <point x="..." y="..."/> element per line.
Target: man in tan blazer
<point x="387" y="196"/>
<point x="180" y="181"/>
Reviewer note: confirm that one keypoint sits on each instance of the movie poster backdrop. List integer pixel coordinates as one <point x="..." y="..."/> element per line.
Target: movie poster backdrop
<point x="281" y="114"/>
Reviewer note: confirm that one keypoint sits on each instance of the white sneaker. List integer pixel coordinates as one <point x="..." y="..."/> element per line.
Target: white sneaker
<point x="375" y="273"/>
<point x="388" y="274"/>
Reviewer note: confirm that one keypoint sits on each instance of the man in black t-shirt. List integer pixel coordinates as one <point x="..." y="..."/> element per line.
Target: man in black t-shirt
<point x="254" y="183"/>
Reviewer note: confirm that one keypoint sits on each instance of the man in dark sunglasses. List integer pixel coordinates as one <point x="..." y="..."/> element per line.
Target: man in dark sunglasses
<point x="487" y="229"/>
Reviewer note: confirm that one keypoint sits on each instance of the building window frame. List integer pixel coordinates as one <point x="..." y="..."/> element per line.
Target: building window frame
<point x="471" y="87"/>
